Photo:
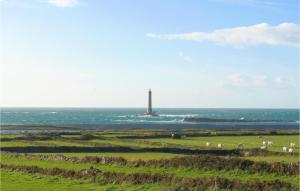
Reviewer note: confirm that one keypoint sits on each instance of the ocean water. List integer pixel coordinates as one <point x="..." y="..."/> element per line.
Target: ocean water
<point x="101" y="116"/>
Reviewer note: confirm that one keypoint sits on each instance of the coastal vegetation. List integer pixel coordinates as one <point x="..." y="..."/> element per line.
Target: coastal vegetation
<point x="139" y="159"/>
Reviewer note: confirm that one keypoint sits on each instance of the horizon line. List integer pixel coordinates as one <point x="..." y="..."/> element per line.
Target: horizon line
<point x="87" y="107"/>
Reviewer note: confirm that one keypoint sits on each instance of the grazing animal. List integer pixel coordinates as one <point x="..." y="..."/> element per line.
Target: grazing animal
<point x="175" y="136"/>
<point x="264" y="142"/>
<point x="270" y="143"/>
<point x="263" y="147"/>
<point x="240" y="146"/>
<point x="291" y="150"/>
<point x="284" y="149"/>
<point x="221" y="146"/>
<point x="293" y="145"/>
<point x="208" y="144"/>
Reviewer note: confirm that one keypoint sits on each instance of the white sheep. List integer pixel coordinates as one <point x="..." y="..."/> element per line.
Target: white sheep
<point x="293" y="145"/>
<point x="264" y="142"/>
<point x="270" y="143"/>
<point x="284" y="149"/>
<point x="221" y="146"/>
<point x="263" y="147"/>
<point x="291" y="150"/>
<point x="208" y="144"/>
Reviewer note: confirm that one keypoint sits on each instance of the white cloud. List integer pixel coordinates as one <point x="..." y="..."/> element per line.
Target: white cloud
<point x="33" y="3"/>
<point x="285" y="81"/>
<point x="257" y="3"/>
<point x="185" y="57"/>
<point x="17" y="3"/>
<point x="64" y="3"/>
<point x="244" y="80"/>
<point x="283" y="34"/>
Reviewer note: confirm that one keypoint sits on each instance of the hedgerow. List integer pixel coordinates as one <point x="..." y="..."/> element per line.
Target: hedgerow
<point x="204" y="183"/>
<point x="205" y="162"/>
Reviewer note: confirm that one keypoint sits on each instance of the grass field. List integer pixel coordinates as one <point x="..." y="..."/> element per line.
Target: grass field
<point x="231" y="142"/>
<point x="142" y="149"/>
<point x="29" y="182"/>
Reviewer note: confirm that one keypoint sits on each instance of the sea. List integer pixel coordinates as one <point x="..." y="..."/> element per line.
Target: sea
<point x="134" y="118"/>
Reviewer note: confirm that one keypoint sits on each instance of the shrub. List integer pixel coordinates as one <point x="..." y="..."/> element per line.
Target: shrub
<point x="86" y="137"/>
<point x="204" y="183"/>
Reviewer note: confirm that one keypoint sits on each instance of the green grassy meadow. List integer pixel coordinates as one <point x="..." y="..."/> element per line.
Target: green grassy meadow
<point x="144" y="154"/>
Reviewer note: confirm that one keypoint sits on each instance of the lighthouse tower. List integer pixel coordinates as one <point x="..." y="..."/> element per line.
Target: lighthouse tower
<point x="149" y="110"/>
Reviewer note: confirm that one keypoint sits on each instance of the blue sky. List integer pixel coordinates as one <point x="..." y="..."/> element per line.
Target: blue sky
<point x="107" y="53"/>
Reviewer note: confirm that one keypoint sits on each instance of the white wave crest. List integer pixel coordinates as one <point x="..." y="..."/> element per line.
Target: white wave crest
<point x="179" y="115"/>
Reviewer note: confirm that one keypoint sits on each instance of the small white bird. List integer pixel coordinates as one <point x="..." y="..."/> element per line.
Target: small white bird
<point x="208" y="144"/>
<point x="264" y="142"/>
<point x="220" y="146"/>
<point x="284" y="149"/>
<point x="291" y="150"/>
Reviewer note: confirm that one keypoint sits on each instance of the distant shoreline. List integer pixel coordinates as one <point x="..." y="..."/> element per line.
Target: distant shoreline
<point x="80" y="127"/>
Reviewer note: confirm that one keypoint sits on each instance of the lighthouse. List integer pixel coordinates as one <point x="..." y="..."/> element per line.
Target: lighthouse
<point x="149" y="110"/>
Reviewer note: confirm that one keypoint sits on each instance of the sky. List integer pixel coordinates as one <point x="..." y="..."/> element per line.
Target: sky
<point x="108" y="53"/>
